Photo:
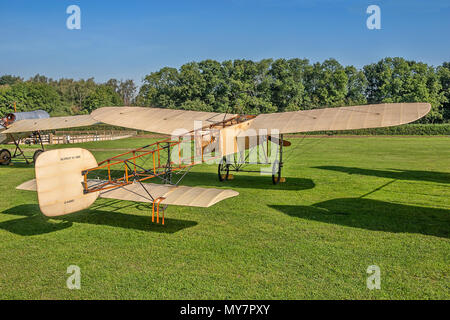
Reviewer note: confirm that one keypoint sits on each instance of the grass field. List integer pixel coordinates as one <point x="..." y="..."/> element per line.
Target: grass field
<point x="347" y="203"/>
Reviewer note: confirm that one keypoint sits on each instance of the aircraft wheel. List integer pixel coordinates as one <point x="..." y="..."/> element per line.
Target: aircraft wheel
<point x="5" y="157"/>
<point x="223" y="169"/>
<point x="36" y="154"/>
<point x="276" y="172"/>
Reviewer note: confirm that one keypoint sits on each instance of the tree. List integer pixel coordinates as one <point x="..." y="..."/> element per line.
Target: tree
<point x="40" y="79"/>
<point x="197" y="105"/>
<point x="444" y="78"/>
<point x="159" y="89"/>
<point x="114" y="84"/>
<point x="30" y="96"/>
<point x="126" y="90"/>
<point x="326" y="84"/>
<point x="213" y="90"/>
<point x="398" y="80"/>
<point x="59" y="97"/>
<point x="101" y="96"/>
<point x="190" y="85"/>
<point x="356" y="86"/>
<point x="82" y="89"/>
<point x="9" y="80"/>
<point x="67" y="92"/>
<point x="287" y="84"/>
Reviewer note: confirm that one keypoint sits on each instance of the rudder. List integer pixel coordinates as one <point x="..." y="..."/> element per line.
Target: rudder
<point x="59" y="181"/>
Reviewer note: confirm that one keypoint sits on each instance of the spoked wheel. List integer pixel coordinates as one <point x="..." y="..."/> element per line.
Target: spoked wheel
<point x="36" y="154"/>
<point x="276" y="172"/>
<point x="223" y="169"/>
<point x="5" y="157"/>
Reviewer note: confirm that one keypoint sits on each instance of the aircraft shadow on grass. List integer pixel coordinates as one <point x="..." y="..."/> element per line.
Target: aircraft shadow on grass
<point x="18" y="164"/>
<point x="240" y="180"/>
<point x="374" y="215"/>
<point x="105" y="212"/>
<point x="428" y="176"/>
<point x="35" y="222"/>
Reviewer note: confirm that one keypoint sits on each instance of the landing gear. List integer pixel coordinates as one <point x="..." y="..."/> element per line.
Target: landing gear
<point x="36" y="154"/>
<point x="278" y="164"/>
<point x="5" y="157"/>
<point x="223" y="169"/>
<point x="276" y="172"/>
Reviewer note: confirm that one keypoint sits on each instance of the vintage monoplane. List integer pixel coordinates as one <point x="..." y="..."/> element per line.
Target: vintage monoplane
<point x="18" y="125"/>
<point x="70" y="180"/>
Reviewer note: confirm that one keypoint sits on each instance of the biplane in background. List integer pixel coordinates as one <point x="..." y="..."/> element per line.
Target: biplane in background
<point x="20" y="125"/>
<point x="70" y="180"/>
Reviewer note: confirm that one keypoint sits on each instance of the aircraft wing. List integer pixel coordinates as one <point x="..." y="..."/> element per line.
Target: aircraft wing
<point x="30" y="125"/>
<point x="158" y="120"/>
<point x="342" y="118"/>
<point x="174" y="195"/>
<point x="166" y="121"/>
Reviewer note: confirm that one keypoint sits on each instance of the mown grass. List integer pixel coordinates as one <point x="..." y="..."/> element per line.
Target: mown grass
<point x="348" y="203"/>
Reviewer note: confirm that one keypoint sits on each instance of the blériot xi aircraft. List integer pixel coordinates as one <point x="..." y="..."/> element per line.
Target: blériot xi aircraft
<point x="69" y="180"/>
<point x="17" y="125"/>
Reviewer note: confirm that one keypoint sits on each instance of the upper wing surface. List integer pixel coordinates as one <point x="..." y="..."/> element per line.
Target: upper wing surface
<point x="157" y="120"/>
<point x="30" y="125"/>
<point x="342" y="118"/>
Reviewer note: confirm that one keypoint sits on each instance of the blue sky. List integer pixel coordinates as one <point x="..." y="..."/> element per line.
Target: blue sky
<point x="129" y="39"/>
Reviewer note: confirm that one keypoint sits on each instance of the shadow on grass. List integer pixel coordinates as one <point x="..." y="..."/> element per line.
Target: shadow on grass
<point x="210" y="179"/>
<point x="374" y="215"/>
<point x="19" y="164"/>
<point x="242" y="180"/>
<point x="429" y="176"/>
<point x="35" y="223"/>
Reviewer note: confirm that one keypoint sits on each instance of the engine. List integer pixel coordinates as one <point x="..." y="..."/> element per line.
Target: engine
<point x="16" y="116"/>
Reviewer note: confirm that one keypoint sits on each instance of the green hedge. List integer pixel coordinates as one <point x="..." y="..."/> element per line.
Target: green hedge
<point x="98" y="127"/>
<point x="406" y="129"/>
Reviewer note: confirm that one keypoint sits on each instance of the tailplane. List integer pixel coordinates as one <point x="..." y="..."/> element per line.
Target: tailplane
<point x="59" y="181"/>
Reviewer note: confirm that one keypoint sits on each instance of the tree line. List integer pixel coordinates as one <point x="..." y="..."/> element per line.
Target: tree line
<point x="63" y="96"/>
<point x="245" y="86"/>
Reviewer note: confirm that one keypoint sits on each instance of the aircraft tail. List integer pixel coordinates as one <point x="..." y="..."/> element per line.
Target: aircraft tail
<point x="59" y="181"/>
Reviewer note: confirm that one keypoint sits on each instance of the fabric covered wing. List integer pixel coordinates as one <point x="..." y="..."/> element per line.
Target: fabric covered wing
<point x="342" y="118"/>
<point x="174" y="195"/>
<point x="157" y="120"/>
<point x="52" y="123"/>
